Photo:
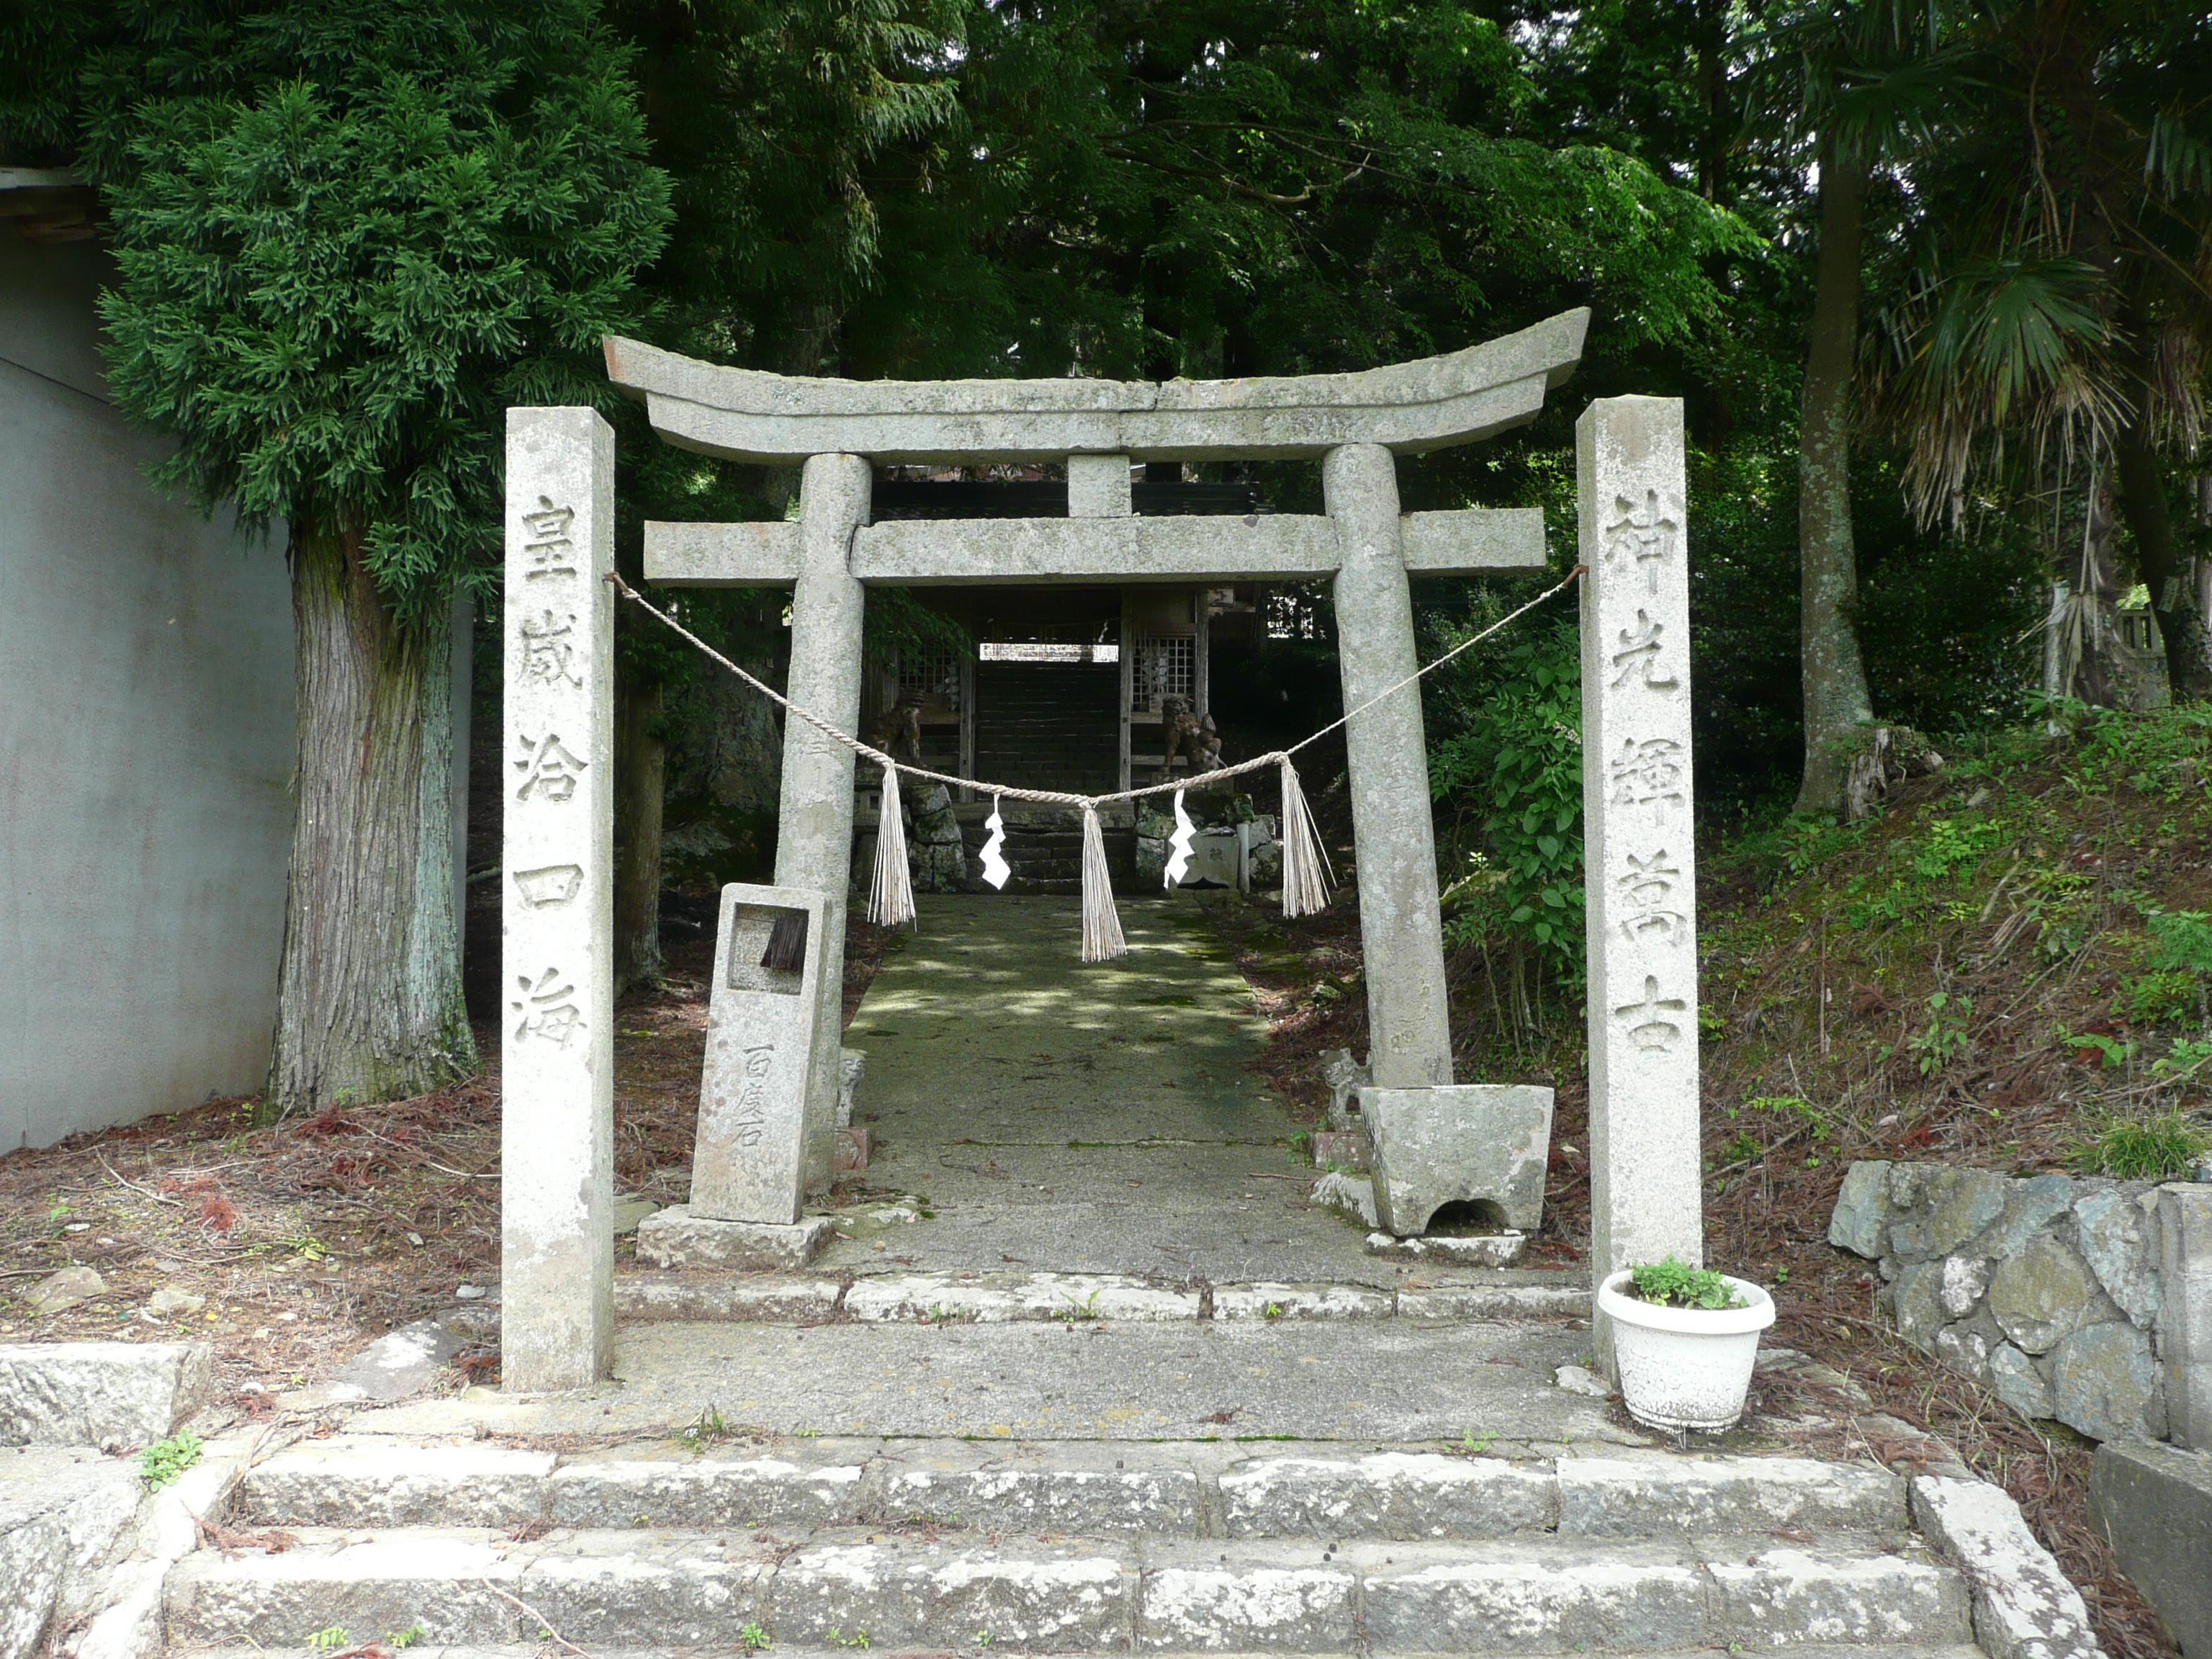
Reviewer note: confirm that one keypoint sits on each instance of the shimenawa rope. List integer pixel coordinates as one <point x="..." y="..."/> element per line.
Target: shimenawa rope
<point x="1306" y="873"/>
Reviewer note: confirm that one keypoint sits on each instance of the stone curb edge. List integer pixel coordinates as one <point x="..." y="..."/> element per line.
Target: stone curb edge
<point x="2025" y="1606"/>
<point x="992" y="1299"/>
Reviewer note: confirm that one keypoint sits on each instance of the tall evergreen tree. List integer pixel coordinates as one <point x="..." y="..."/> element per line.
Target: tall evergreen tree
<point x="349" y="238"/>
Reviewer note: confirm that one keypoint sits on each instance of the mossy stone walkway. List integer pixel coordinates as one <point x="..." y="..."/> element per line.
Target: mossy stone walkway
<point x="1061" y="1116"/>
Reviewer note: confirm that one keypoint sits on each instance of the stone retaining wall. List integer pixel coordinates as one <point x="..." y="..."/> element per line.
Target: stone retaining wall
<point x="2050" y="1289"/>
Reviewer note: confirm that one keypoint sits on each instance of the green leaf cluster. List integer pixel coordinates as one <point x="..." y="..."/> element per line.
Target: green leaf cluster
<point x="1672" y="1283"/>
<point x="165" y="1460"/>
<point x="1509" y="768"/>
<point x="348" y="239"/>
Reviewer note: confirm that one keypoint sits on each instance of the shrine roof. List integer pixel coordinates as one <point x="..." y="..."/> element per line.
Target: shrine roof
<point x="1432" y="403"/>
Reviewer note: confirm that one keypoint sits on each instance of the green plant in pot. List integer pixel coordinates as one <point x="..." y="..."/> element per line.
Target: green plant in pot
<point x="1685" y="1338"/>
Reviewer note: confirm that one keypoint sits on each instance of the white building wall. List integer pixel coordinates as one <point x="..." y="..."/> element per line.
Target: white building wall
<point x="146" y="702"/>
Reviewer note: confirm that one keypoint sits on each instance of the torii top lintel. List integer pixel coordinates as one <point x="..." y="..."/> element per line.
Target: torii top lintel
<point x="1432" y="403"/>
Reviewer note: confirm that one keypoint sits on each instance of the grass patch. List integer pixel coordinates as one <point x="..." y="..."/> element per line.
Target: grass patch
<point x="2162" y="1147"/>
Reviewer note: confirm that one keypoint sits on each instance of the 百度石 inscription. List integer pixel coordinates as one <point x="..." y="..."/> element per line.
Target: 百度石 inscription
<point x="771" y="954"/>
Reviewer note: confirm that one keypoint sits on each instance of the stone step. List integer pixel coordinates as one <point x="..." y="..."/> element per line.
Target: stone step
<point x="703" y="1588"/>
<point x="1186" y="1490"/>
<point x="786" y="1650"/>
<point x="1076" y="1298"/>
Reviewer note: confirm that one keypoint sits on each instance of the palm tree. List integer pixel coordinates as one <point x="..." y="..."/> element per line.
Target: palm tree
<point x="2053" y="347"/>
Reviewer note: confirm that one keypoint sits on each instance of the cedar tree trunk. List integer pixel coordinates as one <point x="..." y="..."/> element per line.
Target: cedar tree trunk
<point x="1836" y="702"/>
<point x="368" y="1003"/>
<point x="641" y="771"/>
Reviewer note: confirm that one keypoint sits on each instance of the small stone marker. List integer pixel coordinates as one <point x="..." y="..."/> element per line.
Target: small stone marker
<point x="1640" y="858"/>
<point x="556" y="775"/>
<point x="771" y="955"/>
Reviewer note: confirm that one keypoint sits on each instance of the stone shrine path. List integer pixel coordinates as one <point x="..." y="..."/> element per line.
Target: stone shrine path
<point x="1072" y="1117"/>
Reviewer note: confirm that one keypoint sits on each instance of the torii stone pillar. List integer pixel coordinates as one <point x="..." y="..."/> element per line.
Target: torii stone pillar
<point x="814" y="822"/>
<point x="1408" y="1021"/>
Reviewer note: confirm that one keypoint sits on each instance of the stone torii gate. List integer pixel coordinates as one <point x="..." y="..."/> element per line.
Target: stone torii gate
<point x="556" y="1304"/>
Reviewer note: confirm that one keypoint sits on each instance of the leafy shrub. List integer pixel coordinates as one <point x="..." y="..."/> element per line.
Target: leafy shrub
<point x="1674" y="1283"/>
<point x="2164" y="998"/>
<point x="1948" y="846"/>
<point x="2181" y="942"/>
<point x="2161" y="752"/>
<point x="1513" y="773"/>
<point x="2162" y="1147"/>
<point x="2187" y="1057"/>
<point x="1946" y="1037"/>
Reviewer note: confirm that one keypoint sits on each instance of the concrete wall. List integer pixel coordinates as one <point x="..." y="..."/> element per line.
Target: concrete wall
<point x="145" y="746"/>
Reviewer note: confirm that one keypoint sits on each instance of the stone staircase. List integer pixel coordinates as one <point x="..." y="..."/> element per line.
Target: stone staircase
<point x="693" y="1542"/>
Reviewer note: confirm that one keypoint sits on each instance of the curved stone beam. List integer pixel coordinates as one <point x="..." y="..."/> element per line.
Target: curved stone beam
<point x="1434" y="403"/>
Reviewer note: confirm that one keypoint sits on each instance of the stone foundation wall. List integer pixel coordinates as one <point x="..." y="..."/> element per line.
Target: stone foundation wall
<point x="2048" y="1290"/>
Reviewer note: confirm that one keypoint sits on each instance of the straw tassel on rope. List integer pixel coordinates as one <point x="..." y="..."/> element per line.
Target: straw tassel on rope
<point x="890" y="897"/>
<point x="1101" y="927"/>
<point x="1306" y="871"/>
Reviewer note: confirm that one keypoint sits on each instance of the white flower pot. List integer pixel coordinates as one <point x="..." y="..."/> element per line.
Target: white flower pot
<point x="1684" y="1368"/>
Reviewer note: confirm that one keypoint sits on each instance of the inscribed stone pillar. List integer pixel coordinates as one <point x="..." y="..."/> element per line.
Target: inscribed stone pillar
<point x="814" y="830"/>
<point x="1640" y="866"/>
<point x="749" y="1164"/>
<point x="1409" y="1028"/>
<point x="556" y="1119"/>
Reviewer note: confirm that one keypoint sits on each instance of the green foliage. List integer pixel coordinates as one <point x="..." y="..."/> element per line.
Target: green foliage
<point x="2163" y="997"/>
<point x="2181" y="942"/>
<point x="2184" y="1059"/>
<point x="1940" y="618"/>
<point x="2110" y="1050"/>
<point x="1948" y="846"/>
<point x="2161" y="1147"/>
<point x="1945" y="1036"/>
<point x="752" y="1638"/>
<point x="1674" y="1283"/>
<point x="2160" y="753"/>
<point x="1512" y="773"/>
<point x="165" y="1460"/>
<point x="330" y="1639"/>
<point x="349" y="238"/>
